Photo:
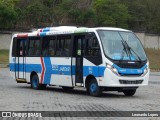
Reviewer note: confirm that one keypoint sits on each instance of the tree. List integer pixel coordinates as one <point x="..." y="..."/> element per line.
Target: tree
<point x="36" y="15"/>
<point x="137" y="15"/>
<point x="144" y="15"/>
<point x="136" y="11"/>
<point x="72" y="12"/>
<point x="110" y="13"/>
<point x="9" y="3"/>
<point x="8" y="14"/>
<point x="152" y="16"/>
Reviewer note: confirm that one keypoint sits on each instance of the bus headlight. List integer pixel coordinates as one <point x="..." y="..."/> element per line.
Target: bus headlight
<point x="113" y="69"/>
<point x="145" y="71"/>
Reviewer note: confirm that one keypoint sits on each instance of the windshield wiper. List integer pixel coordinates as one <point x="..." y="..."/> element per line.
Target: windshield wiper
<point x="124" y="49"/>
<point x="130" y="49"/>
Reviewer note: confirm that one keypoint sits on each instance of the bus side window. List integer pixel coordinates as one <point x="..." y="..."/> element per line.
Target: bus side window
<point x="45" y="47"/>
<point x="52" y="47"/>
<point x="66" y="48"/>
<point x="92" y="47"/>
<point x="48" y="46"/>
<point x="34" y="47"/>
<point x="20" y="45"/>
<point x="14" y="48"/>
<point x="21" y="48"/>
<point x="63" y="46"/>
<point x="58" y="48"/>
<point x="37" y="48"/>
<point x="31" y="48"/>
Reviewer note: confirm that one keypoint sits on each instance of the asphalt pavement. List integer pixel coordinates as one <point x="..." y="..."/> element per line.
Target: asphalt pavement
<point x="20" y="97"/>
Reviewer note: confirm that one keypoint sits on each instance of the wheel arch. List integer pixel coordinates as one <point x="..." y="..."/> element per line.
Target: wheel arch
<point x="88" y="79"/>
<point x="31" y="75"/>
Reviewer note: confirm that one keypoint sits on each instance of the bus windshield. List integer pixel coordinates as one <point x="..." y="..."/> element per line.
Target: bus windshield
<point x="122" y="45"/>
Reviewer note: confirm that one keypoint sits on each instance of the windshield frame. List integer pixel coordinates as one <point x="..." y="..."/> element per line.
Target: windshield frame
<point x="122" y="39"/>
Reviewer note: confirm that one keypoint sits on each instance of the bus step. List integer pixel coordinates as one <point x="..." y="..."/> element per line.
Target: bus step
<point x="79" y="84"/>
<point x="21" y="80"/>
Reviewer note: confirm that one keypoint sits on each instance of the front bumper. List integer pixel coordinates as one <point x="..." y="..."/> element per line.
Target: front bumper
<point x="112" y="80"/>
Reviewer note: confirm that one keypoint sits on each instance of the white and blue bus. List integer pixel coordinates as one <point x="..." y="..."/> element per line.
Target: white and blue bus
<point x="98" y="59"/>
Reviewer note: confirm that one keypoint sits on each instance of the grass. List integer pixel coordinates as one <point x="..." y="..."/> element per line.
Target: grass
<point x="153" y="55"/>
<point x="154" y="58"/>
<point x="4" y="56"/>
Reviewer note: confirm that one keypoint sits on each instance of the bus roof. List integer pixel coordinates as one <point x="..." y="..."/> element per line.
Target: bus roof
<point x="57" y="28"/>
<point x="110" y="28"/>
<point x="64" y="30"/>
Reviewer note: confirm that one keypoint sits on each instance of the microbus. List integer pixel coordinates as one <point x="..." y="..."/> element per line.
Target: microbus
<point x="98" y="59"/>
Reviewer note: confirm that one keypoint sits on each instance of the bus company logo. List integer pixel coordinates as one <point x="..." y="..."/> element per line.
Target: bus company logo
<point x="64" y="69"/>
<point x="6" y="114"/>
<point x="55" y="67"/>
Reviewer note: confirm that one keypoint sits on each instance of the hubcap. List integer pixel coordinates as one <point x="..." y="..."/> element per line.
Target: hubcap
<point x="35" y="82"/>
<point x="93" y="87"/>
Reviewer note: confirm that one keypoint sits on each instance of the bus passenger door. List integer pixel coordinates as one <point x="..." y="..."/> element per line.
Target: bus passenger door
<point x="79" y="58"/>
<point x="21" y="60"/>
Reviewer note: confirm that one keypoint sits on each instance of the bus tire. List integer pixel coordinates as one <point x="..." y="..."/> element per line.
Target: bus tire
<point x="67" y="88"/>
<point x="94" y="89"/>
<point x="35" y="83"/>
<point x="129" y="92"/>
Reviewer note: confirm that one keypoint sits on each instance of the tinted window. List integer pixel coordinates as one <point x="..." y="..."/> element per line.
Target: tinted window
<point x="22" y="43"/>
<point x="19" y="47"/>
<point x="14" y="50"/>
<point x="92" y="48"/>
<point x="48" y="46"/>
<point x="63" y="46"/>
<point x="34" y="47"/>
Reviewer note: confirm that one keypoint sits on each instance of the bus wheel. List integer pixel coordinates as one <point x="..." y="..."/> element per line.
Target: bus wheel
<point x="35" y="83"/>
<point x="67" y="88"/>
<point x="94" y="89"/>
<point x="129" y="92"/>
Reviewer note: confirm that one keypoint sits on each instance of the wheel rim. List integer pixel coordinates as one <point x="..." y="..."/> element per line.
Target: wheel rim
<point x="35" y="82"/>
<point x="93" y="87"/>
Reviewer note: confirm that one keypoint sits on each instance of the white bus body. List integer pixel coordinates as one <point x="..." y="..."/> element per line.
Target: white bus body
<point x="85" y="57"/>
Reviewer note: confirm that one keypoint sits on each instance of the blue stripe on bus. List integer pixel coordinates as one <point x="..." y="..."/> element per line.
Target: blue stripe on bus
<point x="58" y="69"/>
<point x="45" y="29"/>
<point x="42" y="34"/>
<point x="66" y="69"/>
<point x="27" y="67"/>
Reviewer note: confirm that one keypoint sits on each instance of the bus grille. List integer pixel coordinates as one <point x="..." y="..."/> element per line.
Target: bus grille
<point x="131" y="75"/>
<point x="130" y="82"/>
<point x="130" y="65"/>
